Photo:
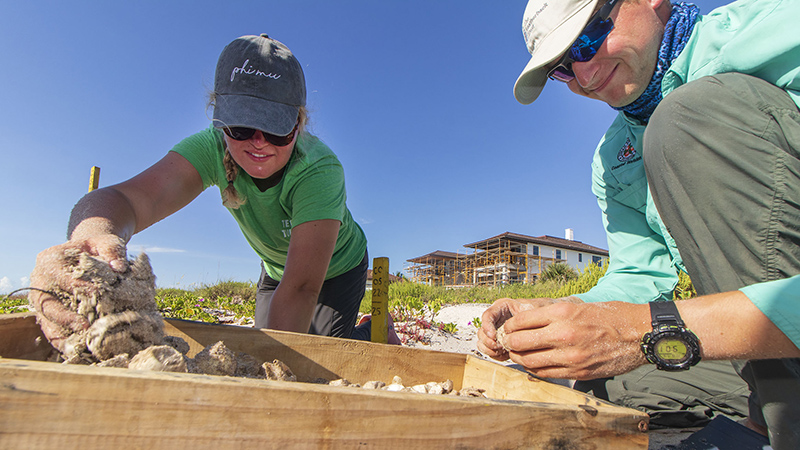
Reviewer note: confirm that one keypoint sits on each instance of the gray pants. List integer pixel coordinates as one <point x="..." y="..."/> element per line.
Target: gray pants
<point x="722" y="156"/>
<point x="337" y="307"/>
<point x="682" y="399"/>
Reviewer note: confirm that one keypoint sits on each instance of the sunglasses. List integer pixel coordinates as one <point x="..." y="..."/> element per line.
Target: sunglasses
<point x="586" y="45"/>
<point x="244" y="133"/>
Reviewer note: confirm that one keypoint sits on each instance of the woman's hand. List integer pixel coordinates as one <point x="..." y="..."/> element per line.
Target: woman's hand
<point x="101" y="223"/>
<point x="52" y="273"/>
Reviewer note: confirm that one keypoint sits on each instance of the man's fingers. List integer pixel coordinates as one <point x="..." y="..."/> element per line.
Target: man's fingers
<point x="490" y="347"/>
<point x="535" y="316"/>
<point x="496" y="355"/>
<point x="495" y="315"/>
<point x="518" y="307"/>
<point x="530" y="319"/>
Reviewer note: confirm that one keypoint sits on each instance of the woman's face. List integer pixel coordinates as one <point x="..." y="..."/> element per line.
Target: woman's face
<point x="623" y="66"/>
<point x="258" y="157"/>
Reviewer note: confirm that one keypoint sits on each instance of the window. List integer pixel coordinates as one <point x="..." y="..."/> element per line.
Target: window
<point x="558" y="254"/>
<point x="580" y="257"/>
<point x="597" y="260"/>
<point x="535" y="250"/>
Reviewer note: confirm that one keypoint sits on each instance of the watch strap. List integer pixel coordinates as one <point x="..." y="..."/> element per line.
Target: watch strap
<point x="666" y="319"/>
<point x="665" y="313"/>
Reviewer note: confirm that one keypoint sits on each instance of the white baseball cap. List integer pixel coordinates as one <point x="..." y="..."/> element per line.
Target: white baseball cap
<point x="549" y="28"/>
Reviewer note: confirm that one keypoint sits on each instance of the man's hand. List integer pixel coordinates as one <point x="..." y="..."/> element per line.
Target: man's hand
<point x="578" y="341"/>
<point x="497" y="314"/>
<point x="52" y="273"/>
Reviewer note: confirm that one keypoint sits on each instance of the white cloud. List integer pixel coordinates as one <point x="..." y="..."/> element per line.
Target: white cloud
<point x="148" y="249"/>
<point x="5" y="285"/>
<point x="24" y="281"/>
<point x="163" y="250"/>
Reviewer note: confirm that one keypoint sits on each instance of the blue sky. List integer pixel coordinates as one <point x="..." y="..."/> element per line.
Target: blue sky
<point x="415" y="97"/>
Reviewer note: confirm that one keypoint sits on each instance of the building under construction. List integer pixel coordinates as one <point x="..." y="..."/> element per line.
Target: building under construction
<point x="502" y="259"/>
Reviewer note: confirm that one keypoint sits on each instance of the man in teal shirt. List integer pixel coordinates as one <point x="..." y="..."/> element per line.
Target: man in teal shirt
<point x="699" y="172"/>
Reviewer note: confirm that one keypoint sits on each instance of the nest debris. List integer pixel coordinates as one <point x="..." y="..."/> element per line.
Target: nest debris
<point x="126" y="331"/>
<point x="120" y="307"/>
<point x="501" y="337"/>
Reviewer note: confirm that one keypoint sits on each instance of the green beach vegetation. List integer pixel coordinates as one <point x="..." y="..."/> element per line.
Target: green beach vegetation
<point x="234" y="301"/>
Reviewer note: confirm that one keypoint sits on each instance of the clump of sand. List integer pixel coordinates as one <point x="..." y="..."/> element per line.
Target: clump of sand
<point x="125" y="327"/>
<point x="120" y="307"/>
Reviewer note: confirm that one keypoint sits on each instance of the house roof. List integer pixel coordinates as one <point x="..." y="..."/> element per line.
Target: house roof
<point x="541" y="240"/>
<point x="438" y="255"/>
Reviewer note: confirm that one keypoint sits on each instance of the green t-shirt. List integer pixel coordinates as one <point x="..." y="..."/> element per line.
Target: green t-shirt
<point x="312" y="188"/>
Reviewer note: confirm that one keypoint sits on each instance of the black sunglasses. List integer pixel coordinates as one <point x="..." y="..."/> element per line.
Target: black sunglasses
<point x="244" y="133"/>
<point x="586" y="45"/>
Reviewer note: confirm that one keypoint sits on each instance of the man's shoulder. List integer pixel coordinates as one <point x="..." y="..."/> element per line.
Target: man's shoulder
<point x="743" y="36"/>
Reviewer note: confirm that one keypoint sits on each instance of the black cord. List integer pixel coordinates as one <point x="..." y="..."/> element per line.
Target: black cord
<point x="32" y="289"/>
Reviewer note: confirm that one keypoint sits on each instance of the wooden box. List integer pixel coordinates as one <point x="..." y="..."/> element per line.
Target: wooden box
<point x="52" y="405"/>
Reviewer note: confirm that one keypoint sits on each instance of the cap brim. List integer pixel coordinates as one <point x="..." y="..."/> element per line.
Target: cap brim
<point x="252" y="112"/>
<point x="531" y="81"/>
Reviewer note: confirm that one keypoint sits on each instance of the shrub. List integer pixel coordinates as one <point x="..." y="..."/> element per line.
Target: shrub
<point x="244" y="291"/>
<point x="14" y="304"/>
<point x="208" y="302"/>
<point x="558" y="271"/>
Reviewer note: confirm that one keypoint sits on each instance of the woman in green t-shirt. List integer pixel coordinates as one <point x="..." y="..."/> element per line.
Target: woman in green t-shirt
<point x="283" y="186"/>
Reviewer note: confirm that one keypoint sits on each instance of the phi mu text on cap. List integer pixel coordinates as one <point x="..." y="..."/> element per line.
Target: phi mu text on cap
<point x="258" y="84"/>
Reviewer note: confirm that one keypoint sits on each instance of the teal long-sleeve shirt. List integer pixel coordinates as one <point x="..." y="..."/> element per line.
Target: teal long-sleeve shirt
<point x="755" y="37"/>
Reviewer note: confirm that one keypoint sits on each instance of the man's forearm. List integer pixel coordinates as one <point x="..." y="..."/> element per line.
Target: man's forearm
<point x="730" y="326"/>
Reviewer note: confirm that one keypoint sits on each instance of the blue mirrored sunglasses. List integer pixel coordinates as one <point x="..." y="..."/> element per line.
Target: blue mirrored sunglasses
<point x="586" y="45"/>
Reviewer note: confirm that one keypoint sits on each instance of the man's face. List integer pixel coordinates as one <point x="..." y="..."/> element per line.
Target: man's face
<point x="624" y="64"/>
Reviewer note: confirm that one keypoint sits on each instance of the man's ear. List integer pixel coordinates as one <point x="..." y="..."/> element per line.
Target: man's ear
<point x="663" y="9"/>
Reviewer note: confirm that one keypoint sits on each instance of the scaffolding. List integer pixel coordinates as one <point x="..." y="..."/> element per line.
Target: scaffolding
<point x="504" y="259"/>
<point x="439" y="268"/>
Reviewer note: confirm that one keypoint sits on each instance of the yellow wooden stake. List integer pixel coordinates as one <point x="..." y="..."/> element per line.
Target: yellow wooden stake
<point x="94" y="178"/>
<point x="380" y="300"/>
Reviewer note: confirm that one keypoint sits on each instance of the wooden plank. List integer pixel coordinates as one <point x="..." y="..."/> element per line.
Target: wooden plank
<point x="21" y="337"/>
<point x="311" y="357"/>
<point x="45" y="405"/>
<point x="502" y="383"/>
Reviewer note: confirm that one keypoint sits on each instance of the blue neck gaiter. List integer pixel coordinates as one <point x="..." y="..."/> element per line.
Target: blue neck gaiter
<point x="676" y="33"/>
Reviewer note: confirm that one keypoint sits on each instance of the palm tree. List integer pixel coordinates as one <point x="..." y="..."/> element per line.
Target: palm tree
<point x="558" y="271"/>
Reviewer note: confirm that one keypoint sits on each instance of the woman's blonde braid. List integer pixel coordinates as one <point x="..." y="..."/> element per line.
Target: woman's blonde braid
<point x="230" y="196"/>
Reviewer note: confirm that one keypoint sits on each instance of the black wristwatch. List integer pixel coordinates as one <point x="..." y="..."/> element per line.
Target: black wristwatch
<point x="670" y="346"/>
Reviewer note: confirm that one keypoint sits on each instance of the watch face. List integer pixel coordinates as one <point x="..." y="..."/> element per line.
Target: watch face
<point x="671" y="350"/>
